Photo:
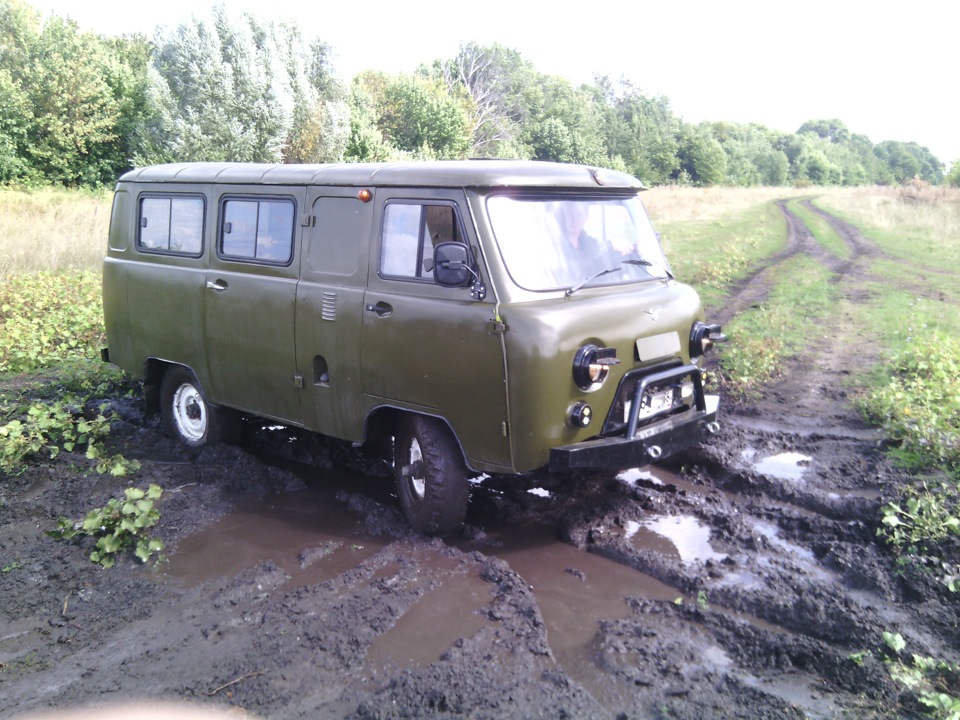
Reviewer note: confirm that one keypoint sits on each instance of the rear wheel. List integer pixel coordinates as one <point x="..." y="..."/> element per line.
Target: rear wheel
<point x="431" y="475"/>
<point x="186" y="414"/>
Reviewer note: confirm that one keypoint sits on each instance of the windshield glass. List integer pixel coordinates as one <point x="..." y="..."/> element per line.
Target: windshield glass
<point x="568" y="242"/>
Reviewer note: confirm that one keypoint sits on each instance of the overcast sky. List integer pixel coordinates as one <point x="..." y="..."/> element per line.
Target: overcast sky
<point x="887" y="70"/>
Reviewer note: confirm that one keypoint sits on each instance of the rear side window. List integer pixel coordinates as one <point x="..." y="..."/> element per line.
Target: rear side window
<point x="171" y="224"/>
<point x="410" y="232"/>
<point x="257" y="229"/>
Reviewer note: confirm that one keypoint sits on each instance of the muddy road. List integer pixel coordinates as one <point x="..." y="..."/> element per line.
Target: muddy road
<point x="735" y="583"/>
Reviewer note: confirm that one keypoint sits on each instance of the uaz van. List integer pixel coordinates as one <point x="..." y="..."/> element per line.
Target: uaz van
<point x="476" y="317"/>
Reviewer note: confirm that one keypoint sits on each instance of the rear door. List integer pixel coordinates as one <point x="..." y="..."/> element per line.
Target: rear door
<point x="426" y="347"/>
<point x="251" y="288"/>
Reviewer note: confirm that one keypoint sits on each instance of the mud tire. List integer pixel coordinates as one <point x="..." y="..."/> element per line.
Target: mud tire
<point x="431" y="476"/>
<point x="185" y="412"/>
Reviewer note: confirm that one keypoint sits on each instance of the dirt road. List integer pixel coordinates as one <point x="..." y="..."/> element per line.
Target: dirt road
<point x="735" y="584"/>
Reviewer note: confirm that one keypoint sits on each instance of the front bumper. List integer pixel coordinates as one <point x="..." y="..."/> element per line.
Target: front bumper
<point x="641" y="445"/>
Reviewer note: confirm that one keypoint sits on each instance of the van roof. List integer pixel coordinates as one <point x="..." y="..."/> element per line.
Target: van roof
<point x="440" y="173"/>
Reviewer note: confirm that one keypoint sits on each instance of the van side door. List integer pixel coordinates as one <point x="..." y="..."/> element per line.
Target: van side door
<point x="428" y="348"/>
<point x="251" y="290"/>
<point x="333" y="275"/>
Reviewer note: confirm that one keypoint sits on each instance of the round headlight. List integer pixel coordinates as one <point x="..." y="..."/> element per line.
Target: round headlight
<point x="591" y="365"/>
<point x="700" y="341"/>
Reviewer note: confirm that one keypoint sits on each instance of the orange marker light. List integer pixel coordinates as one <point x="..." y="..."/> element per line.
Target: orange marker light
<point x="365" y="195"/>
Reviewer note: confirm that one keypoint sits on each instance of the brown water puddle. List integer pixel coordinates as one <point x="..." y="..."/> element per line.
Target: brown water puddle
<point x="315" y="537"/>
<point x="309" y="533"/>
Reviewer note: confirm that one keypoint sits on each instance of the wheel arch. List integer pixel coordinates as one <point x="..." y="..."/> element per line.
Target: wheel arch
<point x="379" y="424"/>
<point x="153" y="371"/>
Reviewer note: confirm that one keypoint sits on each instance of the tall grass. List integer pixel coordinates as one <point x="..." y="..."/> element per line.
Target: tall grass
<point x="52" y="230"/>
<point x="918" y="222"/>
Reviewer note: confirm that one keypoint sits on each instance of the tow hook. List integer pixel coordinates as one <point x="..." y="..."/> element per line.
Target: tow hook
<point x="655" y="451"/>
<point x="713" y="427"/>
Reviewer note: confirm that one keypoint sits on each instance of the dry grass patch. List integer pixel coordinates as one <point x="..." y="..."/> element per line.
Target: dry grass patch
<point x="52" y="230"/>
<point x="676" y="204"/>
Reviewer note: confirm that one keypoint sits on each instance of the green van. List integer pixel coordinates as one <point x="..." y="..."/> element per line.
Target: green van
<point x="479" y="316"/>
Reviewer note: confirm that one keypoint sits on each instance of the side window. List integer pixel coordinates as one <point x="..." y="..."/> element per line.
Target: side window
<point x="257" y="229"/>
<point x="410" y="232"/>
<point x="171" y="224"/>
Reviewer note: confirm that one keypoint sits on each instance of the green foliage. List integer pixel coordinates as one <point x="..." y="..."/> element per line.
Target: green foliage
<point x="907" y="160"/>
<point x="56" y="426"/>
<point x="234" y="88"/>
<point x="46" y="318"/>
<point x="919" y="404"/>
<point x="933" y="681"/>
<point x="118" y="526"/>
<point x="953" y="177"/>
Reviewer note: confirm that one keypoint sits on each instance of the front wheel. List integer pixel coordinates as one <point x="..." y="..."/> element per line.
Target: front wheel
<point x="431" y="475"/>
<point x="186" y="414"/>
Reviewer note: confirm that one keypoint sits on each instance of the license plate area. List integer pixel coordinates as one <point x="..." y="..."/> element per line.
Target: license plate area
<point x="654" y="402"/>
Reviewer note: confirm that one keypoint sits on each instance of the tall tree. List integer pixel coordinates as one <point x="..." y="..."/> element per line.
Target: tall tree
<point x="63" y="114"/>
<point x="235" y="88"/>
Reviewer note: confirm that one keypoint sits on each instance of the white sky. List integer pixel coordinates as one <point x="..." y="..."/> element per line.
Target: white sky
<point x="886" y="69"/>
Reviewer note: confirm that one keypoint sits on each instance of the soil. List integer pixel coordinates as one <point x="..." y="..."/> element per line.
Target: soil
<point x="736" y="582"/>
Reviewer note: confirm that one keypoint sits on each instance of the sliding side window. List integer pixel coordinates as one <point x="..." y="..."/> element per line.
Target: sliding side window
<point x="171" y="224"/>
<point x="257" y="229"/>
<point x="410" y="232"/>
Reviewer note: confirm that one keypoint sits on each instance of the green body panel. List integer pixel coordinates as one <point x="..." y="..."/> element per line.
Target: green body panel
<point x="333" y="279"/>
<point x="542" y="339"/>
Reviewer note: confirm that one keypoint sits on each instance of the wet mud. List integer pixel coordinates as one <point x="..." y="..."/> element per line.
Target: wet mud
<point x="736" y="582"/>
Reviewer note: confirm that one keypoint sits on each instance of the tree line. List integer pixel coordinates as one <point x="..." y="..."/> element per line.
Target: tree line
<point x="78" y="109"/>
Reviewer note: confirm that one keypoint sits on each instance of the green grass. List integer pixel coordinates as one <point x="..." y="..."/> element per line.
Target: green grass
<point x="763" y="338"/>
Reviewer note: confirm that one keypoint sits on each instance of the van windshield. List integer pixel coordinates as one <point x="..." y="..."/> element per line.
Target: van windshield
<point x="568" y="242"/>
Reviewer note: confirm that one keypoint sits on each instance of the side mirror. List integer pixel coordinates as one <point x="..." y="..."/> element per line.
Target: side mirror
<point x="451" y="265"/>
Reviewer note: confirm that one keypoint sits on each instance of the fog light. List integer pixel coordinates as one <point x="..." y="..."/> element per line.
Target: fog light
<point x="580" y="415"/>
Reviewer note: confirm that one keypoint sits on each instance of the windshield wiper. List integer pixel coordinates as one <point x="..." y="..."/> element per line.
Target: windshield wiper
<point x="647" y="263"/>
<point x="579" y="285"/>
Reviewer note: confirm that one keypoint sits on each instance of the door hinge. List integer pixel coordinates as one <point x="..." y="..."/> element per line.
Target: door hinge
<point x="496" y="327"/>
<point x="309" y="221"/>
<point x="298" y="380"/>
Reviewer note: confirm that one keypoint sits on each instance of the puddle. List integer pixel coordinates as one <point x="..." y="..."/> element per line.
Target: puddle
<point x="441" y="617"/>
<point x="772" y="534"/>
<point x="658" y="477"/>
<point x="785" y="466"/>
<point x="682" y="536"/>
<point x="574" y="589"/>
<point x="309" y="533"/>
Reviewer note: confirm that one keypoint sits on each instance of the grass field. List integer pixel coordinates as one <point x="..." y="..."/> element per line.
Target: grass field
<point x="52" y="230"/>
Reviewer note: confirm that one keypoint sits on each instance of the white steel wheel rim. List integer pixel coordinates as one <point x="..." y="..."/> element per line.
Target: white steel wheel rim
<point x="417" y="482"/>
<point x="190" y="412"/>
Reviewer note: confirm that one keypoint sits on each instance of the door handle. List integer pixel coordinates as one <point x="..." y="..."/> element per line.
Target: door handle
<point x="218" y="285"/>
<point x="382" y="309"/>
